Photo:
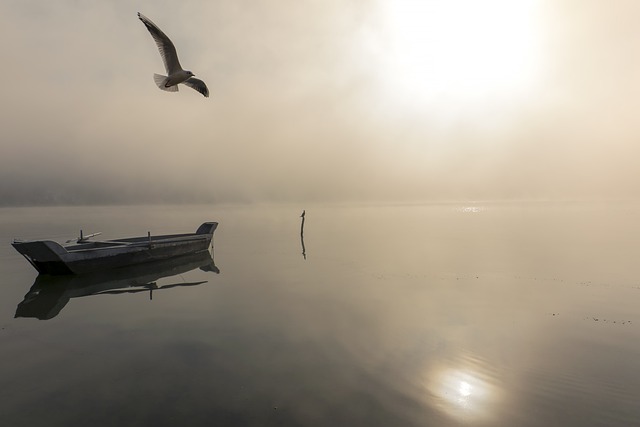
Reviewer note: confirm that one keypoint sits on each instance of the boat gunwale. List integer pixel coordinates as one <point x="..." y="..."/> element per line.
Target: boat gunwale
<point x="138" y="242"/>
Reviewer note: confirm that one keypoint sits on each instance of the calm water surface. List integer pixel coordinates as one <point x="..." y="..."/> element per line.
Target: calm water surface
<point x="440" y="315"/>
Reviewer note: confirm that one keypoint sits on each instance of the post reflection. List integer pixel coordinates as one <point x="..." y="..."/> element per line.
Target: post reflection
<point x="50" y="294"/>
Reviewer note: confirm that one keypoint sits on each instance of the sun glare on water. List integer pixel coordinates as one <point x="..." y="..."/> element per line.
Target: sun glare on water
<point x="459" y="50"/>
<point x="463" y="394"/>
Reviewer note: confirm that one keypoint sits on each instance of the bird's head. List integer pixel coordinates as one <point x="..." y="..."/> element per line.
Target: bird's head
<point x="190" y="74"/>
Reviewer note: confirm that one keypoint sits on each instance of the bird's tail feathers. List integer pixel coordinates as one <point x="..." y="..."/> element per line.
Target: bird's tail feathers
<point x="161" y="81"/>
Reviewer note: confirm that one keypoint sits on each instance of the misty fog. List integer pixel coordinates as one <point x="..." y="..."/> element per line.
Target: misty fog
<point x="302" y="108"/>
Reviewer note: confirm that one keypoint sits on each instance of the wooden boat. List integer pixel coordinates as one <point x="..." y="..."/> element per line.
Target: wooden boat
<point x="85" y="256"/>
<point x="50" y="294"/>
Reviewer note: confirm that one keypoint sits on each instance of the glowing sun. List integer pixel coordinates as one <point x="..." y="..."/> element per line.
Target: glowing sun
<point x="460" y="50"/>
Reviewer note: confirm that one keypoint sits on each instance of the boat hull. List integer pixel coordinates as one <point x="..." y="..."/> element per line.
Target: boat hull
<point x="51" y="258"/>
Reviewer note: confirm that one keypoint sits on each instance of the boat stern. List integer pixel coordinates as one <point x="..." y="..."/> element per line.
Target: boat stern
<point x="45" y="256"/>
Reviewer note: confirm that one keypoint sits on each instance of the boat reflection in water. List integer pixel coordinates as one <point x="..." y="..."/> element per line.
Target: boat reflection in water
<point x="49" y="294"/>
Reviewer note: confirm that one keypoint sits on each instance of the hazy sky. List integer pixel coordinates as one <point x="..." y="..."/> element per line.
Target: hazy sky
<point x="321" y="100"/>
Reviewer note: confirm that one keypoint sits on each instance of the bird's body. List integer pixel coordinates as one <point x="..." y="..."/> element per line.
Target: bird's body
<point x="175" y="73"/>
<point x="170" y="82"/>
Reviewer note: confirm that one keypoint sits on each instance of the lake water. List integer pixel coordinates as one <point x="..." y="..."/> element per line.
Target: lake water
<point x="434" y="315"/>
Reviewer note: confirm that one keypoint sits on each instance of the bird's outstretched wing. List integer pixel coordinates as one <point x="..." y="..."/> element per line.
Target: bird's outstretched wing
<point x="198" y="85"/>
<point x="165" y="46"/>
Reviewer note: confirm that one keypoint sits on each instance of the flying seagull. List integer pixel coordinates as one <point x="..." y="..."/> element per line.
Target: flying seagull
<point x="169" y="56"/>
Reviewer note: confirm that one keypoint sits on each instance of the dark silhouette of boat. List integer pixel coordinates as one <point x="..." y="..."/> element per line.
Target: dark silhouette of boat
<point x="50" y="294"/>
<point x="85" y="256"/>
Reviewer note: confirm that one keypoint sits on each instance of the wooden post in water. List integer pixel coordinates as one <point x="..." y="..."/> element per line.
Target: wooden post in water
<point x="304" y="254"/>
